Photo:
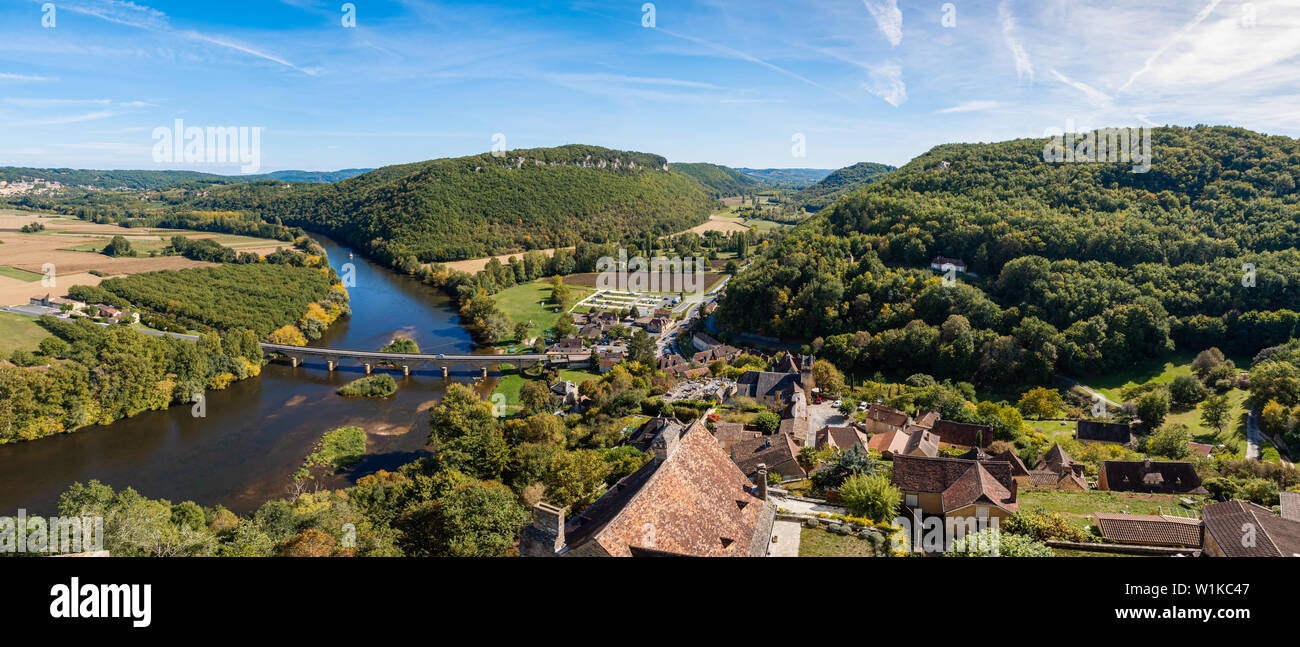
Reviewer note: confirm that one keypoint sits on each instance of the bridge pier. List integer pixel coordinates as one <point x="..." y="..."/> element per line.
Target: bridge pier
<point x="367" y="369"/>
<point x="330" y="363"/>
<point x="446" y="373"/>
<point x="406" y="370"/>
<point x="293" y="361"/>
<point x="485" y="372"/>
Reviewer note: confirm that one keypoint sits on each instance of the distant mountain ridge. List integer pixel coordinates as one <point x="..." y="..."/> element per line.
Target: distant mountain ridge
<point x="716" y="180"/>
<point x="787" y="178"/>
<point x="841" y="182"/>
<point x="137" y="180"/>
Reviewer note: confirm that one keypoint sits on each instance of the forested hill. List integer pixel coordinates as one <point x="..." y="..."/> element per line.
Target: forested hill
<point x="1083" y="267"/>
<point x="843" y="181"/>
<point x="468" y="207"/>
<point x="717" y="181"/>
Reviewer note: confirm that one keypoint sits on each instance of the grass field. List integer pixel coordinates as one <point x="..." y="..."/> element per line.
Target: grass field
<point x="1076" y="506"/>
<point x="1163" y="372"/>
<point x="19" y="332"/>
<point x="21" y="275"/>
<point x="1158" y="371"/>
<point x="814" y="542"/>
<point x="532" y="302"/>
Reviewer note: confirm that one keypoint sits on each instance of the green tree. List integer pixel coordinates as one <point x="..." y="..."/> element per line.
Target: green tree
<point x="1170" y="441"/>
<point x="871" y="496"/>
<point x="641" y="348"/>
<point x="481" y="519"/>
<point x="767" y="422"/>
<point x="460" y="412"/>
<point x="827" y="378"/>
<point x="575" y="479"/>
<point x="1041" y="403"/>
<point x="1186" y="391"/>
<point x="1152" y="408"/>
<point x="1215" y="412"/>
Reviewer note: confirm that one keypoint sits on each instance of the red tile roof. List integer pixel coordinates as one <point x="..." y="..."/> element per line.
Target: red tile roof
<point x="1150" y="529"/>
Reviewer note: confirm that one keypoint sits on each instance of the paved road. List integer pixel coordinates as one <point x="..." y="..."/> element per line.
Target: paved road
<point x="785" y="539"/>
<point x="1252" y="436"/>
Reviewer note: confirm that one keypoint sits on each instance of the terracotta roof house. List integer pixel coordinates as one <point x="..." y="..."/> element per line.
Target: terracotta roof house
<point x="1241" y="529"/>
<point x="704" y="341"/>
<point x="1057" y="460"/>
<point x="1018" y="470"/>
<point x="838" y="437"/>
<point x="927" y="419"/>
<point x="1104" y="432"/>
<point x="777" y="452"/>
<point x="901" y="443"/>
<point x="657" y="324"/>
<point x="666" y="362"/>
<point x="1201" y="449"/>
<point x="567" y="345"/>
<point x="730" y="433"/>
<point x="645" y="435"/>
<point x="568" y="391"/>
<point x="690" y="500"/>
<point x="955" y="487"/>
<point x="769" y="388"/>
<point x="880" y="419"/>
<point x="797" y="428"/>
<point x="719" y="352"/>
<point x="1149" y="476"/>
<point x="791" y="363"/>
<point x="1290" y="505"/>
<point x="962" y="434"/>
<point x="1150" y="530"/>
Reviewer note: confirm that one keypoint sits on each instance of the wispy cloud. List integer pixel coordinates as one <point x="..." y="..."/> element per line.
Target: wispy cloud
<point x="124" y="12"/>
<point x="888" y="18"/>
<point x="69" y="119"/>
<point x="1151" y="60"/>
<point x="1097" y="97"/>
<point x="969" y="106"/>
<point x="9" y="76"/>
<point x="886" y="82"/>
<point x="51" y="103"/>
<point x="1024" y="67"/>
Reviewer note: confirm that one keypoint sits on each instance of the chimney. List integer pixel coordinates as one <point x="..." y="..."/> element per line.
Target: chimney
<point x="762" y="481"/>
<point x="544" y="537"/>
<point x="666" y="442"/>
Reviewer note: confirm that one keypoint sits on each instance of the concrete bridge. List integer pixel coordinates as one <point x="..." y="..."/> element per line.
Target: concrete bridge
<point x="370" y="360"/>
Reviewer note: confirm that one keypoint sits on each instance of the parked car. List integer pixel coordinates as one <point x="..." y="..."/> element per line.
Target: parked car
<point x="837" y="403"/>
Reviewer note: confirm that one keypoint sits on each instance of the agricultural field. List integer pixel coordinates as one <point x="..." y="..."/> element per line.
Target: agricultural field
<point x="19" y="332"/>
<point x="72" y="247"/>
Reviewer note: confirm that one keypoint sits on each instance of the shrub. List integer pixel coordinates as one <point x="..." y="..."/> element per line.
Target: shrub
<point x="1040" y="525"/>
<point x="381" y="385"/>
<point x="871" y="496"/>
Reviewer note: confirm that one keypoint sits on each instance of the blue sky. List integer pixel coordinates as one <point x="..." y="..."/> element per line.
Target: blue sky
<point x="730" y="82"/>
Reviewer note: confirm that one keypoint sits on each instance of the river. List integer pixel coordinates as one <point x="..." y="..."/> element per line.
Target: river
<point x="256" y="432"/>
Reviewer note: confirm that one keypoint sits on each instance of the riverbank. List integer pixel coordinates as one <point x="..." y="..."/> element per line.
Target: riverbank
<point x="253" y="435"/>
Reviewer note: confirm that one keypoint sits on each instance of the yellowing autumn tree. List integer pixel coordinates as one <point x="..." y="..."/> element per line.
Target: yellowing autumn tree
<point x="288" y="336"/>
